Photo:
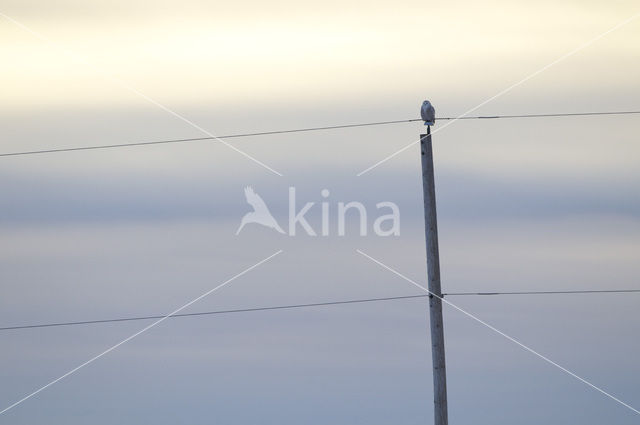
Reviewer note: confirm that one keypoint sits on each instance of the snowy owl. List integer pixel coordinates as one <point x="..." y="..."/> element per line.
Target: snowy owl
<point x="428" y="113"/>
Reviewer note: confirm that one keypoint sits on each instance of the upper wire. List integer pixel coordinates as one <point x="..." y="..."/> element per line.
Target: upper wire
<point x="308" y="129"/>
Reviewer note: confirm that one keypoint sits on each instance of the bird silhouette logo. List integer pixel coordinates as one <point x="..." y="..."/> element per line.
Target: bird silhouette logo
<point x="260" y="213"/>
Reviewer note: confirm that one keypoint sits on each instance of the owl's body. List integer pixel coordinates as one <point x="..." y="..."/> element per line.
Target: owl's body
<point x="428" y="113"/>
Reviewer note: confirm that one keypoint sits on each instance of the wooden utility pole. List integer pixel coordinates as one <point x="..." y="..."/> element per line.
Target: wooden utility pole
<point x="433" y="273"/>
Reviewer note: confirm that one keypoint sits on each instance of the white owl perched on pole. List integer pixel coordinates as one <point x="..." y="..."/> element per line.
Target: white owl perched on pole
<point x="428" y="113"/>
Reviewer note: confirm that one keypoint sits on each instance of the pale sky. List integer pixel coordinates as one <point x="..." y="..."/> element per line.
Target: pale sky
<point x="211" y="53"/>
<point x="536" y="204"/>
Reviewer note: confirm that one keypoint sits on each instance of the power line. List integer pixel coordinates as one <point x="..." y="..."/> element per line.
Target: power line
<point x="571" y="114"/>
<point x="604" y="291"/>
<point x="206" y="313"/>
<point x="293" y="306"/>
<point x="300" y="130"/>
<point x="195" y="139"/>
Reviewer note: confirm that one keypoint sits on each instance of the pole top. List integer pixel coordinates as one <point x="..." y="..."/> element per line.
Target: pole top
<point x="428" y="113"/>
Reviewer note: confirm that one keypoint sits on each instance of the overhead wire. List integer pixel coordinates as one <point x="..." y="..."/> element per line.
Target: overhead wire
<point x="307" y="305"/>
<point x="603" y="291"/>
<point x="308" y="129"/>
